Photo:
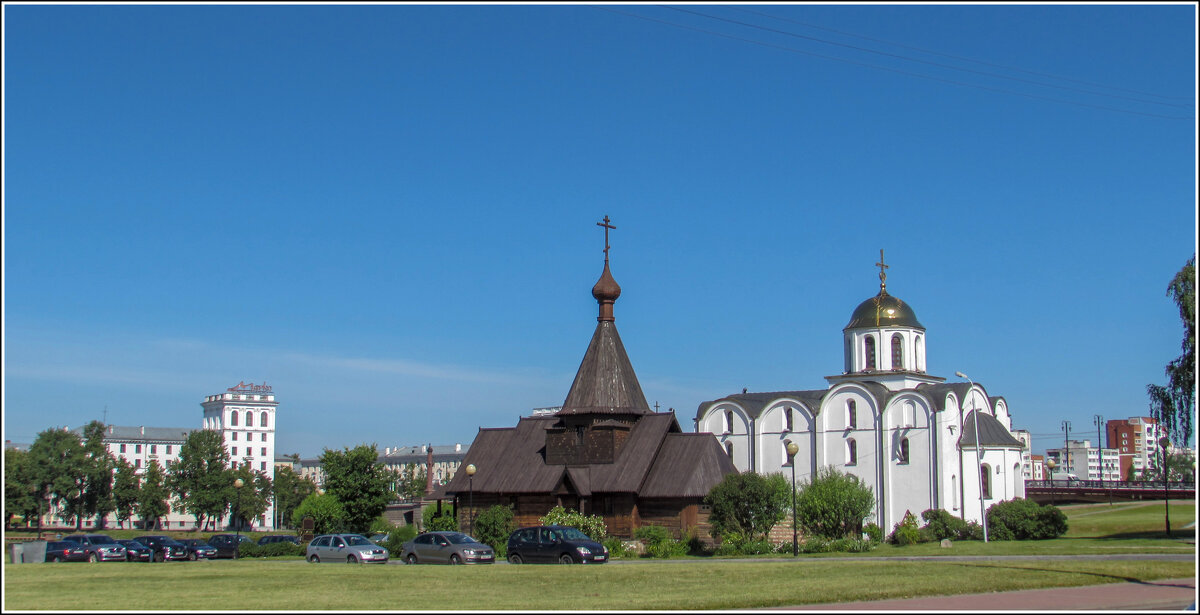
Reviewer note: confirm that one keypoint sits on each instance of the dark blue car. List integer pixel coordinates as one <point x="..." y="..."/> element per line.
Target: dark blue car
<point x="550" y="544"/>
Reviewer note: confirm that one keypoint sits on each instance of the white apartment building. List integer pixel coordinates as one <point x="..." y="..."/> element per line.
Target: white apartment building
<point x="1086" y="462"/>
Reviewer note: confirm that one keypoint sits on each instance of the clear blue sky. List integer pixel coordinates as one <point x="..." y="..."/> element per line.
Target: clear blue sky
<point x="388" y="212"/>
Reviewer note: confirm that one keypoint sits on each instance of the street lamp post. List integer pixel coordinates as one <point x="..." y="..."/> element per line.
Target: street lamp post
<point x="1099" y="421"/>
<point x="1050" y="463"/>
<point x="471" y="494"/>
<point x="237" y="527"/>
<point x="978" y="461"/>
<point x="1164" y="443"/>
<point x="792" y="449"/>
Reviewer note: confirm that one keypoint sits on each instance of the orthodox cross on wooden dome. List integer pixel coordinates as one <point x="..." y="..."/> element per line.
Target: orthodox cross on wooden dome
<point x="882" y="272"/>
<point x="606" y="226"/>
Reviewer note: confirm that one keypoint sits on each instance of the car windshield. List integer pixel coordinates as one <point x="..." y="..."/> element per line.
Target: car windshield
<point x="459" y="538"/>
<point x="358" y="540"/>
<point x="570" y="533"/>
<point x="132" y="543"/>
<point x="171" y="542"/>
<point x="101" y="539"/>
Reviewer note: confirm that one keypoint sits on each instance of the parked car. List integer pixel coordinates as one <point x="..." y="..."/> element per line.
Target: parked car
<point x="224" y="543"/>
<point x="349" y="548"/>
<point x="65" y="551"/>
<point x="100" y="548"/>
<point x="379" y="539"/>
<point x="198" y="549"/>
<point x="266" y="540"/>
<point x="135" y="551"/>
<point x="164" y="548"/>
<point x="446" y="548"/>
<point x="554" y="543"/>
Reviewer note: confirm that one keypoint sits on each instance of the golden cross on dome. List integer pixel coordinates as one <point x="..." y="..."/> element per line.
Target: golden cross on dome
<point x="882" y="272"/>
<point x="606" y="226"/>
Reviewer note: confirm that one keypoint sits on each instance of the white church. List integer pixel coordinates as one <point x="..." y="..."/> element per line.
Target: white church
<point x="909" y="436"/>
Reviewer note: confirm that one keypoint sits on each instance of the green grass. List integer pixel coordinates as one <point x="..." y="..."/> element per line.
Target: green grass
<point x="277" y="585"/>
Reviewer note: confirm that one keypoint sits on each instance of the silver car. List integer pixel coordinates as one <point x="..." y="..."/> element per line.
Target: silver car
<point x="446" y="548"/>
<point x="349" y="548"/>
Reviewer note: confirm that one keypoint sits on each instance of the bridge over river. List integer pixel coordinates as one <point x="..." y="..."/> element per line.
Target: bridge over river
<point x="1060" y="491"/>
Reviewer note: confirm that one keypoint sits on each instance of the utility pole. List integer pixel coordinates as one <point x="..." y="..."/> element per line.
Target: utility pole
<point x="1066" y="425"/>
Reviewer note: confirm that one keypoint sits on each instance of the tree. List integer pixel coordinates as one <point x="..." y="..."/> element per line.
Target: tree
<point x="746" y="506"/>
<point x="445" y="522"/>
<point x="1179" y="467"/>
<point x="200" y="478"/>
<point x="253" y="498"/>
<point x="127" y="489"/>
<point x="412" y="482"/>
<point x="290" y="489"/>
<point x="833" y="504"/>
<point x="360" y="482"/>
<point x="20" y="487"/>
<point x="493" y="526"/>
<point x="325" y="510"/>
<point x="152" y="501"/>
<point x="1172" y="405"/>
<point x="98" y="475"/>
<point x="59" y="469"/>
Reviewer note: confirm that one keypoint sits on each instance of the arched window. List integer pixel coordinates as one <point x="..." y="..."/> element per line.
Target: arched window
<point x="729" y="421"/>
<point x="903" y="450"/>
<point x="262" y="419"/>
<point x="729" y="449"/>
<point x="869" y="350"/>
<point x="249" y="419"/>
<point x="790" y="458"/>
<point x="233" y="418"/>
<point x="919" y="354"/>
<point x="787" y="419"/>
<point x="851" y="452"/>
<point x="851" y="415"/>
<point x="897" y="352"/>
<point x="985" y="483"/>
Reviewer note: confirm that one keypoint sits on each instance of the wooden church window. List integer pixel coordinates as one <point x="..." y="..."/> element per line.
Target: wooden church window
<point x="851" y="452"/>
<point x="897" y="352"/>
<point x="851" y="415"/>
<point x="869" y="349"/>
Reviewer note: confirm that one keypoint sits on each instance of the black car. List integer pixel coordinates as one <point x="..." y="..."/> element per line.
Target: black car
<point x="99" y="547"/>
<point x="266" y="540"/>
<point x="135" y="551"/>
<point x="164" y="548"/>
<point x="224" y="543"/>
<point x="65" y="551"/>
<point x="198" y="549"/>
<point x="554" y="543"/>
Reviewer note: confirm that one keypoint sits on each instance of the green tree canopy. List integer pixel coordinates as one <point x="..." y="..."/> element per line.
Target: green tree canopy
<point x="98" y="475"/>
<point x="254" y="497"/>
<point x="833" y="504"/>
<point x="60" y="469"/>
<point x="200" y="478"/>
<point x="746" y="506"/>
<point x="326" y="511"/>
<point x="152" y="501"/>
<point x="290" y="489"/>
<point x="1172" y="405"/>
<point x="127" y="490"/>
<point x="20" y="486"/>
<point x="360" y="482"/>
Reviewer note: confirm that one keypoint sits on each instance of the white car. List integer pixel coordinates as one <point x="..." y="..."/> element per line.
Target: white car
<point x="349" y="548"/>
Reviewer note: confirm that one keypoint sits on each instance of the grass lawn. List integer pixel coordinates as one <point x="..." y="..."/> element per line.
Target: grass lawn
<point x="295" y="585"/>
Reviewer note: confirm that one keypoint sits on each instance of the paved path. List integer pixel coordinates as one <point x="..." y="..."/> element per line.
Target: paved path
<point x="1164" y="594"/>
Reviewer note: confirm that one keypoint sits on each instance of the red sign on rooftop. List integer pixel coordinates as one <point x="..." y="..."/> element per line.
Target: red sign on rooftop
<point x="242" y="387"/>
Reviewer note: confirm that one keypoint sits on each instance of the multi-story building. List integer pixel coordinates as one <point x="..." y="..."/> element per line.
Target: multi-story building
<point x="1026" y="439"/>
<point x="1085" y="461"/>
<point x="1037" y="467"/>
<point x="445" y="462"/>
<point x="1136" y="440"/>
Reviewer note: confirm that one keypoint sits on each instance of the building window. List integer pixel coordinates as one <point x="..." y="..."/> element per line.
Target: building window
<point x="233" y="418"/>
<point x="897" y="352"/>
<point x="249" y="419"/>
<point x="851" y="452"/>
<point x="729" y="449"/>
<point x="234" y="451"/>
<point x="903" y="450"/>
<point x="122" y="448"/>
<point x="791" y="459"/>
<point x="137" y="448"/>
<point x="264" y="451"/>
<point x="235" y="436"/>
<point x="729" y="421"/>
<point x="985" y="482"/>
<point x="168" y="449"/>
<point x="851" y="415"/>
<point x="137" y="463"/>
<point x="153" y="449"/>
<point x="262" y="419"/>
<point x="787" y="419"/>
<point x="264" y="437"/>
<point x="869" y="349"/>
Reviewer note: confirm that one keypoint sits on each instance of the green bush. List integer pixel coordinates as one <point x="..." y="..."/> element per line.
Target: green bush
<point x="592" y="525"/>
<point x="906" y="531"/>
<point x="493" y="526"/>
<point x="1021" y="519"/>
<point x="659" y="543"/>
<point x="445" y="522"/>
<point x="616" y="548"/>
<point x="748" y="503"/>
<point x="396" y="539"/>
<point x="326" y="511"/>
<point x="833" y="504"/>
<point x="940" y="525"/>
<point x="381" y="525"/>
<point x="874" y="532"/>
<point x="274" y="549"/>
<point x="695" y="546"/>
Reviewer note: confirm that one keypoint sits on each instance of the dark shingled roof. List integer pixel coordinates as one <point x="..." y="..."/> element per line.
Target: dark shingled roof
<point x="686" y="467"/>
<point x="754" y="403"/>
<point x="605" y="382"/>
<point x="991" y="432"/>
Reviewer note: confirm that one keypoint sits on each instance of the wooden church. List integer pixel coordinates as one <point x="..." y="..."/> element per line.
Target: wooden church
<point x="603" y="453"/>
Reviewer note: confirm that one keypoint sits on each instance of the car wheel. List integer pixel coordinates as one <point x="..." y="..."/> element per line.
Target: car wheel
<point x="411" y="559"/>
<point x="314" y="560"/>
<point x="454" y="560"/>
<point x="54" y="559"/>
<point x="566" y="559"/>
<point x="351" y="559"/>
<point x="93" y="558"/>
<point x="192" y="556"/>
<point x="515" y="559"/>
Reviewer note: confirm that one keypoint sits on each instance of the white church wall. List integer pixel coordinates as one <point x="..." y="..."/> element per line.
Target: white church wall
<point x="911" y="482"/>
<point x="772" y="424"/>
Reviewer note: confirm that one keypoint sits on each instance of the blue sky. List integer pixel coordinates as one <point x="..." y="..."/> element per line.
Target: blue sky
<point x="387" y="212"/>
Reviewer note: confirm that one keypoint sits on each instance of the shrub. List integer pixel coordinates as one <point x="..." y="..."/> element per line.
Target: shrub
<point x="833" y="504"/>
<point x="326" y="511"/>
<point x="493" y="526"/>
<point x="874" y="532"/>
<point x="397" y="537"/>
<point x="272" y="549"/>
<point x="695" y="546"/>
<point x="445" y="522"/>
<point x="1021" y="519"/>
<point x="658" y="542"/>
<point x="381" y="526"/>
<point x="616" y="547"/>
<point x="905" y="532"/>
<point x="748" y="503"/>
<point x="941" y="525"/>
<point x="592" y="525"/>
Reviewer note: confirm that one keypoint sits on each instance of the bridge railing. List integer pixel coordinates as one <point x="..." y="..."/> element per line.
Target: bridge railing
<point x="1140" y="485"/>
